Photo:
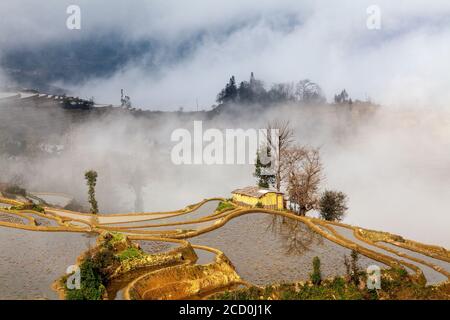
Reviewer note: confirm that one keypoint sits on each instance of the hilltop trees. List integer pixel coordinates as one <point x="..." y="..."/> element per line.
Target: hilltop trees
<point x="333" y="205"/>
<point x="229" y="93"/>
<point x="309" y="92"/>
<point x="254" y="92"/>
<point x="342" y="98"/>
<point x="91" y="180"/>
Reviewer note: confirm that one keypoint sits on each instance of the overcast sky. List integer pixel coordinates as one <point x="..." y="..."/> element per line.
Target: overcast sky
<point x="403" y="63"/>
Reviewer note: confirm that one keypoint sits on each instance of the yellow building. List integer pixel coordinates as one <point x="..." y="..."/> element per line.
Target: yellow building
<point x="254" y="196"/>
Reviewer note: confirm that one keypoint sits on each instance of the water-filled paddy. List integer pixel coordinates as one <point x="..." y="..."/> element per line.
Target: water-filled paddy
<point x="267" y="249"/>
<point x="152" y="247"/>
<point x="186" y="226"/>
<point x="205" y="210"/>
<point x="440" y="263"/>
<point x="12" y="218"/>
<point x="30" y="261"/>
<point x="430" y="274"/>
<point x="205" y="256"/>
<point x="59" y="200"/>
<point x="41" y="221"/>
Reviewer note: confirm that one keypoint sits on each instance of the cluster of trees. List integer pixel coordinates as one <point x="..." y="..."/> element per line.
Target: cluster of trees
<point x="77" y="103"/>
<point x="125" y="100"/>
<point x="342" y="98"/>
<point x="298" y="171"/>
<point x="254" y="91"/>
<point x="304" y="92"/>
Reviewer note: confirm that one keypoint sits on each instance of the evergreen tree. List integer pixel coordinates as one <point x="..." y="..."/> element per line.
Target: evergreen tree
<point x="229" y="93"/>
<point x="91" y="180"/>
<point x="264" y="178"/>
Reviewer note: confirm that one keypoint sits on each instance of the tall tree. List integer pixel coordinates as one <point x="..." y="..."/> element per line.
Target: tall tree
<point x="91" y="180"/>
<point x="304" y="177"/>
<point x="229" y="93"/>
<point x="279" y="138"/>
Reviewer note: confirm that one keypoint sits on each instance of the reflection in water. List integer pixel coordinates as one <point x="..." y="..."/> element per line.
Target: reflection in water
<point x="262" y="256"/>
<point x="297" y="237"/>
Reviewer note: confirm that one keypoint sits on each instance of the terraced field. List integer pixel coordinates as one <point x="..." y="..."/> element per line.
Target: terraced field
<point x="237" y="247"/>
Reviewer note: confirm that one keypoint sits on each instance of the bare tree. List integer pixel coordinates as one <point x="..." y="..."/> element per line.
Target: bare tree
<point x="309" y="92"/>
<point x="279" y="143"/>
<point x="304" y="176"/>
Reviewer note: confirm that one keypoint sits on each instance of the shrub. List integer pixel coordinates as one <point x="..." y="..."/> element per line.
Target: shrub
<point x="352" y="267"/>
<point x="224" y="206"/>
<point x="130" y="253"/>
<point x="259" y="205"/>
<point x="316" y="276"/>
<point x="92" y="287"/>
<point x="29" y="206"/>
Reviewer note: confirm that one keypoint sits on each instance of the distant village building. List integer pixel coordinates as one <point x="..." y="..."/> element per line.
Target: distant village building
<point x="257" y="197"/>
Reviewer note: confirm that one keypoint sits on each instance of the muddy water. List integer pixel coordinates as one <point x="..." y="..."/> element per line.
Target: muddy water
<point x="268" y="249"/>
<point x="430" y="274"/>
<point x="30" y="261"/>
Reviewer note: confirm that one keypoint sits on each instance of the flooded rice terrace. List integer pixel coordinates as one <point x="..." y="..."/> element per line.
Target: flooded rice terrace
<point x="203" y="211"/>
<point x="431" y="275"/>
<point x="31" y="261"/>
<point x="268" y="249"/>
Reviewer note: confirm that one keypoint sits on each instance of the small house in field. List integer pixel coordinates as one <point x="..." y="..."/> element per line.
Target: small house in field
<point x="257" y="197"/>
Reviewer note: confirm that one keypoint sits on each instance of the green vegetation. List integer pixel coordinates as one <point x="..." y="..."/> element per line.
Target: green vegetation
<point x="352" y="268"/>
<point x="327" y="290"/>
<point x="259" y="205"/>
<point x="99" y="263"/>
<point x="92" y="287"/>
<point x="224" y="206"/>
<point x="28" y="206"/>
<point x="396" y="284"/>
<point x="91" y="180"/>
<point x="130" y="253"/>
<point x="316" y="275"/>
<point x="333" y="205"/>
<point x="116" y="237"/>
<point x="264" y="180"/>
